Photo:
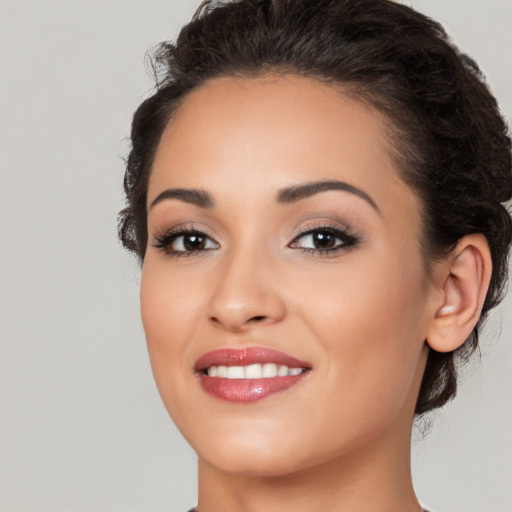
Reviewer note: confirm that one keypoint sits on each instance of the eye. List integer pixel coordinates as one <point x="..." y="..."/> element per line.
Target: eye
<point x="191" y="242"/>
<point x="184" y="242"/>
<point x="324" y="239"/>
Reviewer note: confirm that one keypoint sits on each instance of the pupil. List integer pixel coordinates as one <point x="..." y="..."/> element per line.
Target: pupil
<point x="323" y="240"/>
<point x="193" y="242"/>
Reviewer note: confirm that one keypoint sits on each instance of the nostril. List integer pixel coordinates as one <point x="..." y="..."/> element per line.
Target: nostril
<point x="238" y="324"/>
<point x="258" y="318"/>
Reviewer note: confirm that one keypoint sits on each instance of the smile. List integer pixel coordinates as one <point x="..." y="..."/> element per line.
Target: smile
<point x="224" y="375"/>
<point x="253" y="371"/>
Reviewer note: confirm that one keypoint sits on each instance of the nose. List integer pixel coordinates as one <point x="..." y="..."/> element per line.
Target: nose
<point x="247" y="294"/>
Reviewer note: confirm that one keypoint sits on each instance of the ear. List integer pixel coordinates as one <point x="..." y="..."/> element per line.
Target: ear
<point x="463" y="281"/>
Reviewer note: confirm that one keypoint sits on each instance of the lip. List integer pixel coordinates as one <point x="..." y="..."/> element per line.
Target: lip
<point x="247" y="390"/>
<point x="246" y="356"/>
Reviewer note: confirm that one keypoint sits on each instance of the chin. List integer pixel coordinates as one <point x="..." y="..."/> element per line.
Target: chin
<point x="250" y="452"/>
<point x="251" y="462"/>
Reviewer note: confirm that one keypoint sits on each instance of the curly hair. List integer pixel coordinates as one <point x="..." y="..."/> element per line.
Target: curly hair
<point x="449" y="140"/>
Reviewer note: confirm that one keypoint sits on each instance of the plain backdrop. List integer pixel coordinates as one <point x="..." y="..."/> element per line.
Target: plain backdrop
<point x="82" y="427"/>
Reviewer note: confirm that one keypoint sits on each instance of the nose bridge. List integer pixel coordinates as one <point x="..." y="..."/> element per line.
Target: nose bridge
<point x="246" y="291"/>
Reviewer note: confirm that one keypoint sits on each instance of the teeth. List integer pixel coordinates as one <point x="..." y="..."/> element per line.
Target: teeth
<point x="270" y="370"/>
<point x="222" y="371"/>
<point x="282" y="371"/>
<point x="235" y="372"/>
<point x="253" y="371"/>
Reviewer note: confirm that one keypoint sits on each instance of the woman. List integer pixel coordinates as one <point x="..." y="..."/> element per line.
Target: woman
<point x="315" y="192"/>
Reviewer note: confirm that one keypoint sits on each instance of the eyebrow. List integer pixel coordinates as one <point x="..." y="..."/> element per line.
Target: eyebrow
<point x="287" y="195"/>
<point x="199" y="198"/>
<point x="297" y="192"/>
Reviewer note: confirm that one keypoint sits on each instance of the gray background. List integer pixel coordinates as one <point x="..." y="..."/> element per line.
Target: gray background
<point x="81" y="426"/>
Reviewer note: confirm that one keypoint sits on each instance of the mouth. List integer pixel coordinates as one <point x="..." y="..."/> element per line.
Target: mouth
<point x="249" y="374"/>
<point x="252" y="371"/>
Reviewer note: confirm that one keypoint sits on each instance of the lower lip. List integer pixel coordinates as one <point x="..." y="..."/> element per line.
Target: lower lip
<point x="247" y="390"/>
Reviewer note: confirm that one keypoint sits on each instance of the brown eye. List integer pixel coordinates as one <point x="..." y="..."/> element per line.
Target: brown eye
<point x="185" y="242"/>
<point x="319" y="240"/>
<point x="190" y="242"/>
<point x="193" y="242"/>
<point x="324" y="240"/>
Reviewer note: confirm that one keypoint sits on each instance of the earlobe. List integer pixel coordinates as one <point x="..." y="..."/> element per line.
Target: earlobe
<point x="464" y="286"/>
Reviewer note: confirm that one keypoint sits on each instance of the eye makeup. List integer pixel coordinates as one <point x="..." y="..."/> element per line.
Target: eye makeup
<point x="320" y="239"/>
<point x="325" y="239"/>
<point x="184" y="241"/>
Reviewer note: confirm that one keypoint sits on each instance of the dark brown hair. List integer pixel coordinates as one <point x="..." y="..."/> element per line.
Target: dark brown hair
<point x="448" y="138"/>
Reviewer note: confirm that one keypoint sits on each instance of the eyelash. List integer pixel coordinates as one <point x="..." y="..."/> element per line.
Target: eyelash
<point x="163" y="242"/>
<point x="349" y="240"/>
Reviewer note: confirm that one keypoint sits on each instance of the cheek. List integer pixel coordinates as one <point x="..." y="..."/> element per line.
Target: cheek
<point x="370" y="322"/>
<point x="377" y="291"/>
<point x="169" y="301"/>
<point x="168" y="310"/>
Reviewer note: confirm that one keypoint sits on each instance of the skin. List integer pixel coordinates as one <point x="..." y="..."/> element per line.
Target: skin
<point x="340" y="438"/>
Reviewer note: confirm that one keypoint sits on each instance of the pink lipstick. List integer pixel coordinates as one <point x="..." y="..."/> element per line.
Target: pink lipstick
<point x="248" y="374"/>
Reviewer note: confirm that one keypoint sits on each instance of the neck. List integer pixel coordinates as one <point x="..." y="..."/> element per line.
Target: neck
<point x="377" y="479"/>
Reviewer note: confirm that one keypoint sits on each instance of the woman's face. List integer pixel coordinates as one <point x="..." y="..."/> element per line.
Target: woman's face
<point x="281" y="236"/>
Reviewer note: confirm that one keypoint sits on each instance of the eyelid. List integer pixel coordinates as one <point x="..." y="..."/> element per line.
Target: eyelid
<point x="185" y="227"/>
<point x="325" y="225"/>
<point x="321" y="224"/>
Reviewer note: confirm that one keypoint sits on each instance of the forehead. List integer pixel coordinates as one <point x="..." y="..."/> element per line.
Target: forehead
<point x="251" y="136"/>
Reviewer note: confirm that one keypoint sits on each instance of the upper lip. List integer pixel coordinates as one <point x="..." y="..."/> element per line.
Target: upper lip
<point x="247" y="356"/>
